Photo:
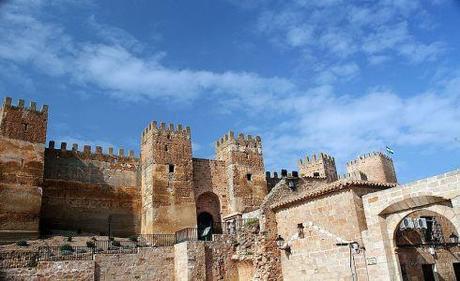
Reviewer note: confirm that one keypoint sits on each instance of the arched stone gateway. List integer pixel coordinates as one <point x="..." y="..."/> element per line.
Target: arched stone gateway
<point x="208" y="215"/>
<point x="395" y="253"/>
<point x="424" y="248"/>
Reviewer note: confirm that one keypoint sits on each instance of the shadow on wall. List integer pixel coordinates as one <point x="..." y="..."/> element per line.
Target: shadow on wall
<point x="89" y="195"/>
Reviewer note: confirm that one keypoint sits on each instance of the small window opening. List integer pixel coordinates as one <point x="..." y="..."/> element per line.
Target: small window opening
<point x="166" y="148"/>
<point x="171" y="168"/>
<point x="316" y="174"/>
<point x="169" y="137"/>
<point x="249" y="177"/>
<point x="25" y="126"/>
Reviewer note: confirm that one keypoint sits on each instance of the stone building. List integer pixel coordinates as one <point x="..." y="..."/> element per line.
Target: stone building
<point x="306" y="225"/>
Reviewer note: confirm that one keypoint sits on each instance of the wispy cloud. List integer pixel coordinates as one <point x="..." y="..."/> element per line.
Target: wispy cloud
<point x="339" y="29"/>
<point x="313" y="118"/>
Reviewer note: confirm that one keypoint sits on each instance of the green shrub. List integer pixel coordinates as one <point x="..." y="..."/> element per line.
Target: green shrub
<point x="251" y="222"/>
<point x="22" y="243"/>
<point x="116" y="243"/>
<point x="66" y="248"/>
<point x="133" y="238"/>
<point x="90" y="244"/>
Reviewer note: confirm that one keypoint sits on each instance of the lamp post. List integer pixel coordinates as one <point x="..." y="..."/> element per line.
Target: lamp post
<point x="282" y="245"/>
<point x="453" y="238"/>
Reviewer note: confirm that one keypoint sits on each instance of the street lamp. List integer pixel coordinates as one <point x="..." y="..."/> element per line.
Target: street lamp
<point x="453" y="238"/>
<point x="279" y="242"/>
<point x="282" y="245"/>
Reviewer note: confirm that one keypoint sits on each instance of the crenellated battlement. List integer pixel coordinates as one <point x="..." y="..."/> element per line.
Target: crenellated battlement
<point x="284" y="173"/>
<point x="316" y="165"/>
<point x="88" y="153"/>
<point x="369" y="155"/>
<point x="163" y="128"/>
<point x="8" y="103"/>
<point x="241" y="140"/>
<point x="316" y="157"/>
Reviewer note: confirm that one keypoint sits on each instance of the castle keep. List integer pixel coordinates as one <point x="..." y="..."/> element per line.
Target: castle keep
<point x="310" y="224"/>
<point x="66" y="187"/>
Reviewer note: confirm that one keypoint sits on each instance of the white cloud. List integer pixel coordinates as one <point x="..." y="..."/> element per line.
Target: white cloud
<point x="315" y="118"/>
<point x="339" y="29"/>
<point x="346" y="126"/>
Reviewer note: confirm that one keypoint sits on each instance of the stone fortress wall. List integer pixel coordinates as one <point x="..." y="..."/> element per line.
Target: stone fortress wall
<point x="162" y="191"/>
<point x="83" y="190"/>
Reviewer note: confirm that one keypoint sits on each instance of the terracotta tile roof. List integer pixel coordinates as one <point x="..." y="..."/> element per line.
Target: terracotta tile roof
<point x="329" y="188"/>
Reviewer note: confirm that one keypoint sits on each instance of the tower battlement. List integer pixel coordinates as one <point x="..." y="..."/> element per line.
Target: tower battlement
<point x="240" y="140"/>
<point x="318" y="165"/>
<point x="8" y="103"/>
<point x="316" y="157"/>
<point x="88" y="152"/>
<point x="376" y="166"/>
<point x="162" y="128"/>
<point x="23" y="123"/>
<point x="369" y="155"/>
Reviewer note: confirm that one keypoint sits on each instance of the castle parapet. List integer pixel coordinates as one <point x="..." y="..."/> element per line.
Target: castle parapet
<point x="318" y="165"/>
<point x="283" y="174"/>
<point x="376" y="166"/>
<point x="178" y="130"/>
<point x="316" y="157"/>
<point x="369" y="155"/>
<point x="241" y="140"/>
<point x="8" y="103"/>
<point x="88" y="153"/>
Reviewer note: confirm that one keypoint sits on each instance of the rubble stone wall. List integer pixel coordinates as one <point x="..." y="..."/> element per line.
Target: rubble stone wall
<point x="84" y="191"/>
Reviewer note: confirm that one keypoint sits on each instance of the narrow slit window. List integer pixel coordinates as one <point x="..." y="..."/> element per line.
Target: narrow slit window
<point x="171" y="168"/>
<point x="249" y="177"/>
<point x="166" y="147"/>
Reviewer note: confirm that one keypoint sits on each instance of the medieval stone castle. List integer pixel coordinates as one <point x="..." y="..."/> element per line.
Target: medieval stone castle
<point x="63" y="187"/>
<point x="163" y="191"/>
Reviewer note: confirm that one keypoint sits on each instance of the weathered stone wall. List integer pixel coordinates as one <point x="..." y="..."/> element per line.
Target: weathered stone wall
<point x="209" y="177"/>
<point x="21" y="175"/>
<point x="168" y="200"/>
<point x="21" y="162"/>
<point x="247" y="185"/>
<point x="23" y="123"/>
<point x="19" y="212"/>
<point x="375" y="166"/>
<point x="82" y="189"/>
<point x="190" y="261"/>
<point x="59" y="271"/>
<point x="149" y="264"/>
<point x="384" y="211"/>
<point x="327" y="220"/>
<point x="321" y="165"/>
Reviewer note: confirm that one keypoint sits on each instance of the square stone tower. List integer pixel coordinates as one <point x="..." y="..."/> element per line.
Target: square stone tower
<point x="168" y="202"/>
<point x="247" y="185"/>
<point x="376" y="166"/>
<point x="22" y="147"/>
<point x="321" y="165"/>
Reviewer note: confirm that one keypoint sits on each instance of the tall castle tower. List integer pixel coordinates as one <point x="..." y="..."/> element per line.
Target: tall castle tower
<point x="247" y="185"/>
<point x="376" y="166"/>
<point x="167" y="179"/>
<point x="321" y="165"/>
<point x="22" y="147"/>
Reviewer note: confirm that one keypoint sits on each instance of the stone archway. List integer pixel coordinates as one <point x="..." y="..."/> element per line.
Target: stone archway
<point x="422" y="246"/>
<point x="208" y="214"/>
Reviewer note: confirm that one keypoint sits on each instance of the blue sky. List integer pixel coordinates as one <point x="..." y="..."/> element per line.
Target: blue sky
<point x="342" y="77"/>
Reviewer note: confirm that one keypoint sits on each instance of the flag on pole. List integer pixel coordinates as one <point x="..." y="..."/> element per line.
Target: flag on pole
<point x="389" y="150"/>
